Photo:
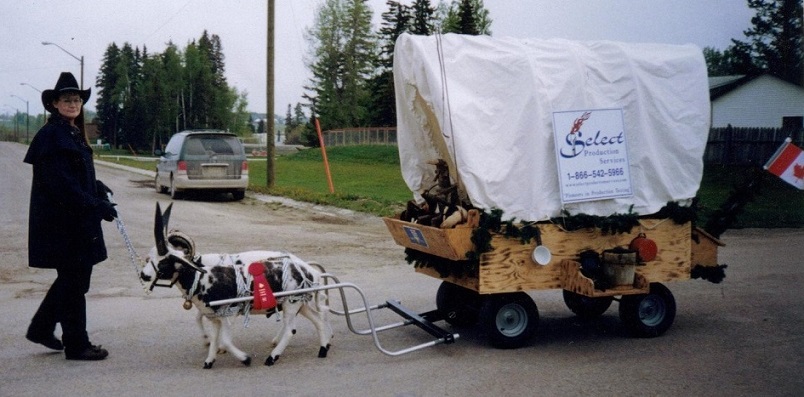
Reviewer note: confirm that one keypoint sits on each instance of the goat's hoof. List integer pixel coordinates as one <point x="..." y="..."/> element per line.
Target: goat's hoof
<point x="208" y="365"/>
<point x="247" y="361"/>
<point x="271" y="360"/>
<point x="322" y="351"/>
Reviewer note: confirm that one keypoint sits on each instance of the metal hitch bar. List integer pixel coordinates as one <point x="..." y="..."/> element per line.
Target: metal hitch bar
<point x="423" y="321"/>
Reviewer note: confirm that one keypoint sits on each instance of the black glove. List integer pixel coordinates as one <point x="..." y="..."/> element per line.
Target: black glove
<point x="102" y="190"/>
<point x="107" y="211"/>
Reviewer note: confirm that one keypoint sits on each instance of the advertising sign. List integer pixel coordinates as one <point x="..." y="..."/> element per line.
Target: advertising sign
<point x="592" y="155"/>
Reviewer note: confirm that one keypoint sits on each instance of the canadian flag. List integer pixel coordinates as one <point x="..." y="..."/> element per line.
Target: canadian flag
<point x="788" y="163"/>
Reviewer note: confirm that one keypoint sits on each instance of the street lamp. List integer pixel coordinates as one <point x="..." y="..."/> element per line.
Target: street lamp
<point x="44" y="111"/>
<point x="27" y="118"/>
<point x="76" y="58"/>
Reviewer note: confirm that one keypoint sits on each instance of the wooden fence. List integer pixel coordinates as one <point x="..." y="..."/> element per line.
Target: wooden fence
<point x="729" y="145"/>
<point x="360" y="136"/>
<point x="746" y="146"/>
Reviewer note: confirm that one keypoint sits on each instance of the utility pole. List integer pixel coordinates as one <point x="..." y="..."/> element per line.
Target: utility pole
<point x="269" y="122"/>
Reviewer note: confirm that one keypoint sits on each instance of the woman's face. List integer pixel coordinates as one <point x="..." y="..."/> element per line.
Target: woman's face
<point x="69" y="105"/>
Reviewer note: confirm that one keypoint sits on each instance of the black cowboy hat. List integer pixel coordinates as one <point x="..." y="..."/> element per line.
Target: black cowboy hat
<point x="65" y="84"/>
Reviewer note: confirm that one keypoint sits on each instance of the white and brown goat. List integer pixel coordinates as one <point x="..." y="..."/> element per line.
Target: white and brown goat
<point x="211" y="277"/>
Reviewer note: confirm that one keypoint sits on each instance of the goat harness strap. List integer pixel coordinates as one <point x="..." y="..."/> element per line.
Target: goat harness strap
<point x="263" y="295"/>
<point x="190" y="292"/>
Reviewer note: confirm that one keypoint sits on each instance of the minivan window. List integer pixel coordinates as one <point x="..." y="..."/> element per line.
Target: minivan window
<point x="173" y="146"/>
<point x="211" y="146"/>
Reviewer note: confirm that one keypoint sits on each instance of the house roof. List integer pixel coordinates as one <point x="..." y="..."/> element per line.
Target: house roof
<point x="721" y="85"/>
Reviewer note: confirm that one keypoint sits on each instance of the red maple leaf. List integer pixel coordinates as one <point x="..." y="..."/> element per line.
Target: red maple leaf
<point x="798" y="171"/>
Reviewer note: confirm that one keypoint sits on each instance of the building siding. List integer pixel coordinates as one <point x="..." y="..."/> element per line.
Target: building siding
<point x="762" y="102"/>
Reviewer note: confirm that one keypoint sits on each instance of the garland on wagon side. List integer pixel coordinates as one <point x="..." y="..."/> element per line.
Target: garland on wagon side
<point x="492" y="223"/>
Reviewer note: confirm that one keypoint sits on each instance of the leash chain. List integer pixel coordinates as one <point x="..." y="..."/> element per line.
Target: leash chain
<point x="132" y="254"/>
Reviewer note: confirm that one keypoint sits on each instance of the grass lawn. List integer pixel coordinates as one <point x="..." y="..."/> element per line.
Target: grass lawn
<point x="367" y="179"/>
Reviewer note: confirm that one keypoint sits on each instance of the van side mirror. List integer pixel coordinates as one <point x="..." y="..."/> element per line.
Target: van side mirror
<point x="158" y="152"/>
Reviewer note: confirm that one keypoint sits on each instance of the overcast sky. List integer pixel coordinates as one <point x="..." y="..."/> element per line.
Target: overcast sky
<point x="87" y="27"/>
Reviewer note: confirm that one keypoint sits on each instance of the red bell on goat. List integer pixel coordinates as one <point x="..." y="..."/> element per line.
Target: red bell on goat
<point x="645" y="248"/>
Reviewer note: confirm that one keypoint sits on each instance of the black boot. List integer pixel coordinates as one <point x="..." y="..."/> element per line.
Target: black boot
<point x="47" y="340"/>
<point x="90" y="353"/>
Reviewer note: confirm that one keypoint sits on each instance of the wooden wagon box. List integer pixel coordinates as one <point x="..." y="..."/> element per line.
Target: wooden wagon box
<point x="509" y="266"/>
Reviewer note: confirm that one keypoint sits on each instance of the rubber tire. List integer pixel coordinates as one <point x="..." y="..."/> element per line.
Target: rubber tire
<point x="159" y="189"/>
<point x="509" y="320"/>
<point x="238" y="195"/>
<point x="458" y="305"/>
<point x="174" y="194"/>
<point x="587" y="307"/>
<point x="648" y="315"/>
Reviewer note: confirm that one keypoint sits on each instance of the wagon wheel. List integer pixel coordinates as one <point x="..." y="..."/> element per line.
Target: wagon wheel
<point x="509" y="320"/>
<point x="585" y="306"/>
<point x="648" y="315"/>
<point x="457" y="304"/>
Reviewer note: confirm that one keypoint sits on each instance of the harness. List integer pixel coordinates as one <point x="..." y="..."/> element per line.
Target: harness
<point x="243" y="279"/>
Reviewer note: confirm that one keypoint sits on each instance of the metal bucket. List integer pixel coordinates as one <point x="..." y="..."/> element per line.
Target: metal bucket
<point x="619" y="266"/>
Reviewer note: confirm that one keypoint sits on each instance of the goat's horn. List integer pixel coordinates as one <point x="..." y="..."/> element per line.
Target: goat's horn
<point x="159" y="232"/>
<point x="189" y="263"/>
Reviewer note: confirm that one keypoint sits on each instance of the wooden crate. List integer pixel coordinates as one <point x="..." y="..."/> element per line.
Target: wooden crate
<point x="704" y="248"/>
<point x="452" y="244"/>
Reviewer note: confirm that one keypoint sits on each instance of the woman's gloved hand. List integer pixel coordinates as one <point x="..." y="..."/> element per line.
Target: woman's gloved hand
<point x="106" y="210"/>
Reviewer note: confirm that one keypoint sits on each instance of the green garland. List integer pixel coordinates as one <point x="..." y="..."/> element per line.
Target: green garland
<point x="613" y="224"/>
<point x="444" y="267"/>
<point x="492" y="223"/>
<point x="713" y="274"/>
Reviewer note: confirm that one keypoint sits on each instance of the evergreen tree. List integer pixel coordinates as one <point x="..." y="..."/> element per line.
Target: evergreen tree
<point x="298" y="115"/>
<point x="144" y="98"/>
<point x="396" y="21"/>
<point x="108" y="111"/>
<point x="343" y="50"/>
<point x="775" y="40"/>
<point x="261" y="126"/>
<point x="122" y="93"/>
<point x="465" y="17"/>
<point x="288" y="119"/>
<point x="423" y="18"/>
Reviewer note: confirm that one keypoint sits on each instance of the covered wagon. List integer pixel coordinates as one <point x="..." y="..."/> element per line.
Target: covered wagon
<point x="551" y="164"/>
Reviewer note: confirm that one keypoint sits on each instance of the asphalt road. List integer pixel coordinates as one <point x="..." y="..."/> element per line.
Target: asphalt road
<point x="738" y="338"/>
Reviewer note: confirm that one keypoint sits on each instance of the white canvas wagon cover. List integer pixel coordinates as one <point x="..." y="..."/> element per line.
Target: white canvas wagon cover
<point x="486" y="106"/>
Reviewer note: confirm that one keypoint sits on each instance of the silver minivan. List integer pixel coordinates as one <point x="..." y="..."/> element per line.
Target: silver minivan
<point x="202" y="160"/>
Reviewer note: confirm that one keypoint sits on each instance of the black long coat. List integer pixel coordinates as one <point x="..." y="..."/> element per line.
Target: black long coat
<point x="64" y="228"/>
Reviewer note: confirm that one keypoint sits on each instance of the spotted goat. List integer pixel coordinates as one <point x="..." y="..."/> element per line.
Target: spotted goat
<point x="212" y="277"/>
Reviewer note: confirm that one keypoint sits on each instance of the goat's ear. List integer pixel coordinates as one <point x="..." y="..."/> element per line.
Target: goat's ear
<point x="166" y="216"/>
<point x="185" y="262"/>
<point x="159" y="232"/>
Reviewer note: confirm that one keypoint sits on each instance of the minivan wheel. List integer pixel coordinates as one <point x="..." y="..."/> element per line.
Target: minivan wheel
<point x="159" y="188"/>
<point x="174" y="194"/>
<point x="238" y="194"/>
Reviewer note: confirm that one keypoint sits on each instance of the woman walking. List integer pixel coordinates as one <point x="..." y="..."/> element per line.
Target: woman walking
<point x="66" y="209"/>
